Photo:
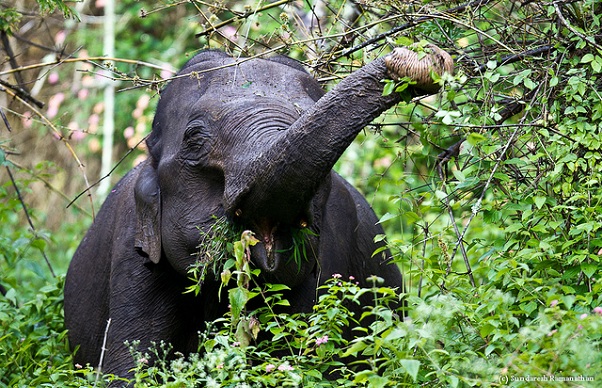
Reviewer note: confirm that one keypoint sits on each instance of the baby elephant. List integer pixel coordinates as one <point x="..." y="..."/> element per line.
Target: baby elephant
<point x="251" y="140"/>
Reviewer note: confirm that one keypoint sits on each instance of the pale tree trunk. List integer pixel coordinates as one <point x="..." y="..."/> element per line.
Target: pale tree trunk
<point x="109" y="100"/>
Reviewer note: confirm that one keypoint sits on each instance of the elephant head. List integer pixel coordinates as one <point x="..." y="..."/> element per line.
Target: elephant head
<point x="253" y="140"/>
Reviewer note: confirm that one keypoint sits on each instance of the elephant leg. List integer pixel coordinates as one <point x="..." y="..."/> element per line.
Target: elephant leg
<point x="148" y="305"/>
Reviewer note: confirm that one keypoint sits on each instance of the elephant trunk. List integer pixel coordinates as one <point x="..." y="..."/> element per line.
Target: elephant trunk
<point x="286" y="176"/>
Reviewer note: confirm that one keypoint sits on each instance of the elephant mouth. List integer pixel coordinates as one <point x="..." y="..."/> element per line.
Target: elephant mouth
<point x="281" y="254"/>
<point x="265" y="254"/>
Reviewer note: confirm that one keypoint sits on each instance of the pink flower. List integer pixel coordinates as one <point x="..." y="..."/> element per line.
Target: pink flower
<point x="60" y="37"/>
<point x="143" y="360"/>
<point x="78" y="366"/>
<point x="270" y="367"/>
<point x="53" y="78"/>
<point x="554" y="303"/>
<point x="27" y="119"/>
<point x="82" y="94"/>
<point x="552" y="333"/>
<point x="598" y="310"/>
<point x="284" y="367"/>
<point x="583" y="316"/>
<point x="321" y="340"/>
<point x="336" y="275"/>
<point x="128" y="132"/>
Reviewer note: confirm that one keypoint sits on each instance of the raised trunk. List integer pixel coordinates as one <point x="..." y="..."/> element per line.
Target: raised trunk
<point x="286" y="176"/>
<point x="295" y="166"/>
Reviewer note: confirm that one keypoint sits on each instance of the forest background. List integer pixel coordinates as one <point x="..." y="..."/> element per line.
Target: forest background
<point x="489" y="192"/>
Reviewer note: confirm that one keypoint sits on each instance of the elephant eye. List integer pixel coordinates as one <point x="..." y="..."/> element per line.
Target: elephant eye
<point x="196" y="144"/>
<point x="193" y="134"/>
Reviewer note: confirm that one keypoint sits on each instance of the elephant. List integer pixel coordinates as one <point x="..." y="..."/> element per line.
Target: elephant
<point x="253" y="140"/>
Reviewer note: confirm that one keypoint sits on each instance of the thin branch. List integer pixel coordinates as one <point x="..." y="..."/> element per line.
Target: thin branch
<point x="87" y="60"/>
<point x="568" y="25"/>
<point x="5" y="120"/>
<point x="241" y="16"/>
<point x="60" y="137"/>
<point x="49" y="185"/>
<point x="20" y="87"/>
<point x="33" y="228"/>
<point x="11" y="57"/>
<point x="475" y="4"/>
<point x="520" y="56"/>
<point x="90" y="187"/>
<point x="22" y="93"/>
<point x="103" y="350"/>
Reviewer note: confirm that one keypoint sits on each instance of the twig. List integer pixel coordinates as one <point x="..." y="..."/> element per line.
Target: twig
<point x="86" y="59"/>
<point x="572" y="29"/>
<point x="5" y="119"/>
<point x="50" y="186"/>
<point x="242" y="16"/>
<point x="62" y="138"/>
<point x="22" y="93"/>
<point x="460" y="242"/>
<point x="90" y="187"/>
<point x="11" y="57"/>
<point x="520" y="56"/>
<point x="413" y="23"/>
<point x="33" y="228"/>
<point x="103" y="349"/>
<point x="425" y="228"/>
<point x="20" y="87"/>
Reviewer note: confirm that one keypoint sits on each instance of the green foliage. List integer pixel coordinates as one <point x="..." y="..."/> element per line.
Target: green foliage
<point x="10" y="17"/>
<point x="483" y="337"/>
<point x="33" y="346"/>
<point x="215" y="248"/>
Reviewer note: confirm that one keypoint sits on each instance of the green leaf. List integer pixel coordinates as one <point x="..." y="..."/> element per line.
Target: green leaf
<point x="539" y="201"/>
<point x="39" y="243"/>
<point x="514" y="227"/>
<point x="474" y="138"/>
<point x="387" y="217"/>
<point x="587" y="58"/>
<point x="238" y="298"/>
<point x="597" y="64"/>
<point x="411" y="217"/>
<point x="459" y="175"/>
<point x="589" y="269"/>
<point x="389" y="87"/>
<point x="11" y="295"/>
<point x="529" y="84"/>
<point x="355" y="349"/>
<point x="411" y="366"/>
<point x="277" y="287"/>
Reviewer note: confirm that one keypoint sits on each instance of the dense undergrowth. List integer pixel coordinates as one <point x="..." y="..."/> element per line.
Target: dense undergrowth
<point x="511" y="329"/>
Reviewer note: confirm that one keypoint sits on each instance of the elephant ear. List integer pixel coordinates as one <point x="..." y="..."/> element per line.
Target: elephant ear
<point x="148" y="213"/>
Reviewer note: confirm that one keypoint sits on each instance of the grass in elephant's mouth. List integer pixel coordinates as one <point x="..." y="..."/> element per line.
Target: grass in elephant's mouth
<point x="299" y="248"/>
<point x="214" y="249"/>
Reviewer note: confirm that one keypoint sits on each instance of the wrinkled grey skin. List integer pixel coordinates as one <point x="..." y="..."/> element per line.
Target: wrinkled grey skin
<point x="255" y="142"/>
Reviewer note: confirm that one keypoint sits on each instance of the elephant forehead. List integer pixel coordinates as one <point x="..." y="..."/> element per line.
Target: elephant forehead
<point x="259" y="77"/>
<point x="247" y="108"/>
